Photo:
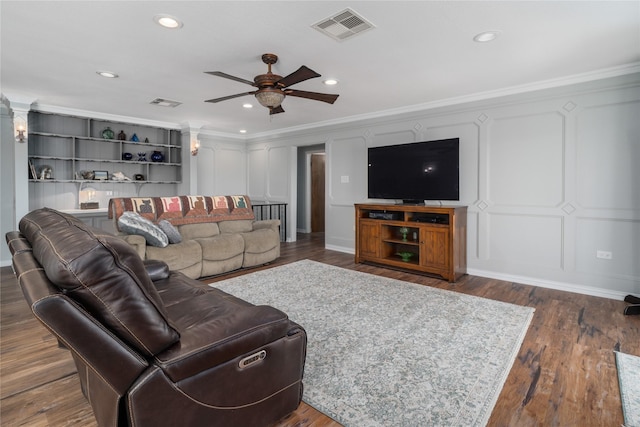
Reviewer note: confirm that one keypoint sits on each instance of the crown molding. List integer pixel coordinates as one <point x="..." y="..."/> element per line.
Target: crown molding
<point x="602" y="74"/>
<point x="104" y="116"/>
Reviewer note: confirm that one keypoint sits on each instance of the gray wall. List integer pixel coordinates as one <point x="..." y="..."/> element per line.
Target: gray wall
<point x="7" y="173"/>
<point x="549" y="177"/>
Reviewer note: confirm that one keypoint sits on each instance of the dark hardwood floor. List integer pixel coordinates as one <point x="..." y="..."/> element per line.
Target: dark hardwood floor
<point x="564" y="375"/>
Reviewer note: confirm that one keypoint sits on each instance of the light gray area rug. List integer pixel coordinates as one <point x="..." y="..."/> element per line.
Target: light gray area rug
<point x="629" y="380"/>
<point x="384" y="352"/>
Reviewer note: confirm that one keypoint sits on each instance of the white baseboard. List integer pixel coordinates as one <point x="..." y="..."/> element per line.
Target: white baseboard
<point x="525" y="280"/>
<point x="340" y="249"/>
<point x="543" y="283"/>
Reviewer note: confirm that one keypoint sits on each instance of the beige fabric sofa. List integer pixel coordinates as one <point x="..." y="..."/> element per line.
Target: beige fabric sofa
<point x="219" y="233"/>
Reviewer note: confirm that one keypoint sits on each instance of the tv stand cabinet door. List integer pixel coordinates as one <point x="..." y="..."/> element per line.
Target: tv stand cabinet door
<point x="435" y="250"/>
<point x="368" y="240"/>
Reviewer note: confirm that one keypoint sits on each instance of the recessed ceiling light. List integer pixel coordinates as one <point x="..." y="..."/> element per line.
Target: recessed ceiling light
<point x="243" y="131"/>
<point x="486" y="36"/>
<point x="167" y="21"/>
<point x="247" y="105"/>
<point x="330" y="82"/>
<point x="108" y="74"/>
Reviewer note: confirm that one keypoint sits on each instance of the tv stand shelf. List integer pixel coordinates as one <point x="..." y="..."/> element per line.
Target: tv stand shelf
<point x="428" y="239"/>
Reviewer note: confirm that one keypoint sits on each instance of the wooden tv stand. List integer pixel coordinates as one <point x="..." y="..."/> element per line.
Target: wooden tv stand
<point x="436" y="237"/>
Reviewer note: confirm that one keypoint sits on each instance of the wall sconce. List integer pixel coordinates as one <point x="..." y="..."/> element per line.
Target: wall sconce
<point x="195" y="145"/>
<point x="20" y="128"/>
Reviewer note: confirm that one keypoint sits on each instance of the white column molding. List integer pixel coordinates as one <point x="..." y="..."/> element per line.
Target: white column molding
<point x="20" y="107"/>
<point x="191" y="145"/>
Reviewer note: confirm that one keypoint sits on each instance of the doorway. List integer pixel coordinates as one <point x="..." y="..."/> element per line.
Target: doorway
<point x="317" y="192"/>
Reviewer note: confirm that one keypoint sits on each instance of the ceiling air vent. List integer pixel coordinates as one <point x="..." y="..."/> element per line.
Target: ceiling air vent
<point x="165" y="102"/>
<point x="343" y="25"/>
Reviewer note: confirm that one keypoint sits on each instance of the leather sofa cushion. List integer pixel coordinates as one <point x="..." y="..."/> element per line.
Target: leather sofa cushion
<point x="104" y="274"/>
<point x="214" y="326"/>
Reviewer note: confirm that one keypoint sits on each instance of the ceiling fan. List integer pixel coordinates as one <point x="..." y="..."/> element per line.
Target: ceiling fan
<point x="273" y="88"/>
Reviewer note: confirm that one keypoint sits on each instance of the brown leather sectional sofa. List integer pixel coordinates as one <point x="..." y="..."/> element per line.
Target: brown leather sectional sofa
<point x="152" y="347"/>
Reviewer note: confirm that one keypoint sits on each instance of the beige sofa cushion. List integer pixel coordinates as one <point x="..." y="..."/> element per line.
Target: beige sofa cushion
<point x="221" y="253"/>
<point x="198" y="231"/>
<point x="239" y="226"/>
<point x="185" y="257"/>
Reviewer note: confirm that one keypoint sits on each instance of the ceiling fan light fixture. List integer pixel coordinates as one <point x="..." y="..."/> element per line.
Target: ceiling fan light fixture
<point x="330" y="82"/>
<point x="269" y="97"/>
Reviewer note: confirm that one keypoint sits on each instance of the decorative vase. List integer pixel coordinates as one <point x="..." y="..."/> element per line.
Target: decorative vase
<point x="107" y="133"/>
<point x="142" y="157"/>
<point x="403" y="232"/>
<point x="157" y="156"/>
<point x="406" y="256"/>
<point x="127" y="156"/>
<point x="135" y="138"/>
<point x="122" y="136"/>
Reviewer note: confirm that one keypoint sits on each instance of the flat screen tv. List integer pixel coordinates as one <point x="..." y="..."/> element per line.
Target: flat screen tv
<point x="415" y="172"/>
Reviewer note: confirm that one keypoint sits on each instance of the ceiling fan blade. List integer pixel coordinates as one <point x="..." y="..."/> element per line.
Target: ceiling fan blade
<point x="224" y="98"/>
<point x="324" y="97"/>
<point x="276" y="110"/>
<point x="301" y="74"/>
<point x="230" y="77"/>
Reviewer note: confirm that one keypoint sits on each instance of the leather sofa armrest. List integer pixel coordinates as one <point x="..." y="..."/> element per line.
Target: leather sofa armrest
<point x="267" y="223"/>
<point x="112" y="359"/>
<point x="214" y="340"/>
<point x="156" y="269"/>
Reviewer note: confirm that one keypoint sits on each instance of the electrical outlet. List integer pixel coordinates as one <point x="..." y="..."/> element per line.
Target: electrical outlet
<point x="604" y="254"/>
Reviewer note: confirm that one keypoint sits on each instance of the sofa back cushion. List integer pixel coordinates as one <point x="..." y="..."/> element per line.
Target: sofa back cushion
<point x="104" y="274"/>
<point x="197" y="231"/>
<point x="180" y="210"/>
<point x="244" y="226"/>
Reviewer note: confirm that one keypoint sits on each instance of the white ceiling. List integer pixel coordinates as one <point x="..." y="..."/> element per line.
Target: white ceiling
<point x="420" y="53"/>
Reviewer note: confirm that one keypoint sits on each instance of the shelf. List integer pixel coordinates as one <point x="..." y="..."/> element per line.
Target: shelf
<point x="70" y="144"/>
<point x="402" y="242"/>
<point x="101" y="181"/>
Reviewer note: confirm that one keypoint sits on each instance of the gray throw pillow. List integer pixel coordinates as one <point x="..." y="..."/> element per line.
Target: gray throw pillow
<point x="171" y="231"/>
<point x="133" y="223"/>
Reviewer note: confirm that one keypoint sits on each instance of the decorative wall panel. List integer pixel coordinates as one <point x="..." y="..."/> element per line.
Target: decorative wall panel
<point x="608" y="156"/>
<point x="621" y="238"/>
<point x="278" y="172"/>
<point x="526" y="160"/>
<point x="526" y="240"/>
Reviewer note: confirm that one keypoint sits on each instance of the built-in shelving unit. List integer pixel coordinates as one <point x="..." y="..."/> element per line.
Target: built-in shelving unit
<point x="69" y="144"/>
<point x="428" y="239"/>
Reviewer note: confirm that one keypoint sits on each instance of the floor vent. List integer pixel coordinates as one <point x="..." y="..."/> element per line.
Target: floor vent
<point x="343" y="25"/>
<point x="165" y="103"/>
